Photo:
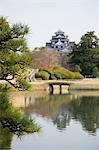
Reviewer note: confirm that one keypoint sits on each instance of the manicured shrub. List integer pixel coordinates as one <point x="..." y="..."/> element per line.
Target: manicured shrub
<point x="43" y="75"/>
<point x="65" y="74"/>
<point x="49" y="71"/>
<point x="58" y="72"/>
<point x="78" y="75"/>
<point x="57" y="75"/>
<point x="52" y="77"/>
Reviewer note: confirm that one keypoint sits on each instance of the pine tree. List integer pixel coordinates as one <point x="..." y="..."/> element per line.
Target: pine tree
<point x="14" y="53"/>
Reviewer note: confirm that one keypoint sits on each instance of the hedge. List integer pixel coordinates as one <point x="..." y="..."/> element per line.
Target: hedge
<point x="43" y="75"/>
<point x="78" y="75"/>
<point x="56" y="73"/>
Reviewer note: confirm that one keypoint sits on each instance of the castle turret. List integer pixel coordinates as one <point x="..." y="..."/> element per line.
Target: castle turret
<point x="60" y="42"/>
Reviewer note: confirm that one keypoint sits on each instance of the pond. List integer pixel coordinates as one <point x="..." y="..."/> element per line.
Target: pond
<point x="69" y="122"/>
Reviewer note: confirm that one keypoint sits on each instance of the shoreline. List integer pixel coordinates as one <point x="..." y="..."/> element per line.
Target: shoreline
<point x="85" y="84"/>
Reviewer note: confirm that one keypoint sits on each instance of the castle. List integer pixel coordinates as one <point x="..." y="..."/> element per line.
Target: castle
<point x="60" y="42"/>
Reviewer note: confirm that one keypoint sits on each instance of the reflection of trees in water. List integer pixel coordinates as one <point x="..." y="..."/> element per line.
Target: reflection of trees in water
<point x="61" y="109"/>
<point x="29" y="100"/>
<point x="48" y="106"/>
<point x="86" y="110"/>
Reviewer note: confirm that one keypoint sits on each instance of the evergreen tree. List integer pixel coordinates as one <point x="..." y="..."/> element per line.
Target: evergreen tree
<point x="14" y="54"/>
<point x="86" y="53"/>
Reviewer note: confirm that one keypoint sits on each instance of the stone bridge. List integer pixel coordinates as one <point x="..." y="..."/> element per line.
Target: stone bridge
<point x="60" y="84"/>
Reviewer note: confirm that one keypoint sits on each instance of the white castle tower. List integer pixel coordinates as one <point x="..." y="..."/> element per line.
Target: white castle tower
<point x="60" y="42"/>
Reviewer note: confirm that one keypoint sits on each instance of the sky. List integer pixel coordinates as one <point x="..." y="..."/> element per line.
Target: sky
<point x="45" y="17"/>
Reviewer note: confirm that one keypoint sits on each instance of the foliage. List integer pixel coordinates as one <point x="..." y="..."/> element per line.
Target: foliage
<point x="14" y="119"/>
<point x="85" y="54"/>
<point x="57" y="72"/>
<point x="43" y="75"/>
<point x="5" y="138"/>
<point x="65" y="73"/>
<point x="95" y="72"/>
<point x="57" y="75"/>
<point x="14" y="54"/>
<point x="78" y="75"/>
<point x="23" y="84"/>
<point x="50" y="72"/>
<point x="4" y="87"/>
<point x="77" y="68"/>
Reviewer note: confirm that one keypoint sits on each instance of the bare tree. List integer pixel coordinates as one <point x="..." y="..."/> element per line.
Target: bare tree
<point x="45" y="58"/>
<point x="64" y="60"/>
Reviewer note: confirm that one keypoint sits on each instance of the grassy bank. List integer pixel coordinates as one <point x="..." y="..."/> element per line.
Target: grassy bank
<point x="85" y="84"/>
<point x="42" y="85"/>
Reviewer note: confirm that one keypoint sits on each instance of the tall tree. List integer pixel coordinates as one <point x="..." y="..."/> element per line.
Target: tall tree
<point x="14" y="54"/>
<point x="86" y="53"/>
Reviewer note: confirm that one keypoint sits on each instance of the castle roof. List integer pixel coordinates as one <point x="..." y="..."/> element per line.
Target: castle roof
<point x="59" y="43"/>
<point x="59" y="32"/>
<point x="60" y="36"/>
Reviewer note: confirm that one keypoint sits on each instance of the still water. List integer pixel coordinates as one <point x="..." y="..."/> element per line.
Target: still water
<point x="69" y="122"/>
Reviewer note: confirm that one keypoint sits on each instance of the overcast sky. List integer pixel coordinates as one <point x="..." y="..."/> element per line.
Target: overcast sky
<point x="44" y="17"/>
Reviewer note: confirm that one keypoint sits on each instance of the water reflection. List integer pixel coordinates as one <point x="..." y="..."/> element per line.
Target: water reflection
<point x="84" y="109"/>
<point x="61" y="109"/>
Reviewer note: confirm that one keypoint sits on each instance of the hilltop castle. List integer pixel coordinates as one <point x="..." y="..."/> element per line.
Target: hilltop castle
<point x="60" y="42"/>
